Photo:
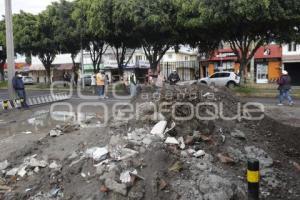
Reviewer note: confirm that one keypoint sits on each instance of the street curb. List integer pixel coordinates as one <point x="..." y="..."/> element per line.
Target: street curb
<point x="32" y="101"/>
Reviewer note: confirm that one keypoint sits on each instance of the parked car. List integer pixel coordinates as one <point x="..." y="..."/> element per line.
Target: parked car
<point x="228" y="79"/>
<point x="87" y="78"/>
<point x="27" y="80"/>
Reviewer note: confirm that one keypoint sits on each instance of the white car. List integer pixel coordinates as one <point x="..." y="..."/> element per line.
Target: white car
<point x="228" y="79"/>
<point x="27" y="80"/>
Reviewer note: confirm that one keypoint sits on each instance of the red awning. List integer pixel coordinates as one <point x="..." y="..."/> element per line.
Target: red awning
<point x="269" y="51"/>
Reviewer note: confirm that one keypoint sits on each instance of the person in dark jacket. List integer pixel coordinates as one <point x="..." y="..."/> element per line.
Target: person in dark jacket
<point x="18" y="85"/>
<point x="284" y="87"/>
<point x="174" y="78"/>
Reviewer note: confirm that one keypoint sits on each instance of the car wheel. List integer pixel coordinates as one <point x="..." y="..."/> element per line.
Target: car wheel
<point x="231" y="85"/>
<point x="203" y="82"/>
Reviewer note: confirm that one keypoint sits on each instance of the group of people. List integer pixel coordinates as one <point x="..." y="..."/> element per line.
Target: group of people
<point x="99" y="83"/>
<point x="68" y="78"/>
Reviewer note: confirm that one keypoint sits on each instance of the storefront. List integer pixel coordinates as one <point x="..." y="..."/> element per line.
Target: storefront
<point x="267" y="67"/>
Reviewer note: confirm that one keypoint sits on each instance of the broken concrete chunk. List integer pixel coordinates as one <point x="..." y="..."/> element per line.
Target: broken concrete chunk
<point x="12" y="172"/>
<point x="238" y="134"/>
<point x="159" y="129"/>
<point x="125" y="176"/>
<point x="118" y="152"/>
<point x="54" y="165"/>
<point x="199" y="153"/>
<point x="116" y="187"/>
<point x="4" y="165"/>
<point x="22" y="171"/>
<point x="215" y="187"/>
<point x="171" y="140"/>
<point x="181" y="143"/>
<point x="55" y="133"/>
<point x="97" y="153"/>
<point x="33" y="162"/>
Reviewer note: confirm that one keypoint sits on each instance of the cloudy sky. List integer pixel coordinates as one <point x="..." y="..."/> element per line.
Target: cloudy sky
<point x="32" y="6"/>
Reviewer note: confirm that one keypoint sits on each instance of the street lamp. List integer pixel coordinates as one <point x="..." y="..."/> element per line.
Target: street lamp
<point x="9" y="47"/>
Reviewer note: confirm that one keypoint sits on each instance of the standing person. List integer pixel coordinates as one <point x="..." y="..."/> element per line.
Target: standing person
<point x="65" y="77"/>
<point x="174" y="78"/>
<point x="106" y="86"/>
<point x="18" y="85"/>
<point x="133" y="84"/>
<point x="100" y="84"/>
<point x="93" y="83"/>
<point x="284" y="87"/>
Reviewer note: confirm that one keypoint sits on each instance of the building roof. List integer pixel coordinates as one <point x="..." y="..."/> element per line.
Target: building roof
<point x="264" y="52"/>
<point x="269" y="51"/>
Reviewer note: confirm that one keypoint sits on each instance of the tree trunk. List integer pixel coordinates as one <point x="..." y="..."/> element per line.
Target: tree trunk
<point x="48" y="72"/>
<point x="243" y="67"/>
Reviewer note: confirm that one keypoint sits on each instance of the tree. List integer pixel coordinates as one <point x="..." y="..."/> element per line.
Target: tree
<point x="93" y="41"/>
<point x="2" y="48"/>
<point x="245" y="25"/>
<point x="114" y="21"/>
<point x="67" y="34"/>
<point x="25" y="26"/>
<point x="155" y="23"/>
<point x="46" y="45"/>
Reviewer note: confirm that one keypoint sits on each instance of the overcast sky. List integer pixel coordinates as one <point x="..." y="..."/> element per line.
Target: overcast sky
<point x="32" y="6"/>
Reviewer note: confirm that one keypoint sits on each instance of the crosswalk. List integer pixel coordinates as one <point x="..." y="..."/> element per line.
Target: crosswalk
<point x="31" y="101"/>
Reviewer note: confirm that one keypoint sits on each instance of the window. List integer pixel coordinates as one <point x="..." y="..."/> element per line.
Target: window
<point x="224" y="75"/>
<point x="138" y="58"/>
<point x="292" y="47"/>
<point x="186" y="58"/>
<point x="170" y="56"/>
<point x="216" y="75"/>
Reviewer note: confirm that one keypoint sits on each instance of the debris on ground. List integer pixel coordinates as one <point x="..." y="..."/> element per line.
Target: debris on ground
<point x="160" y="157"/>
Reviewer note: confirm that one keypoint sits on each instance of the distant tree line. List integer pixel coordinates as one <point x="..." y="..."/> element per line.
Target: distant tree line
<point x="153" y="25"/>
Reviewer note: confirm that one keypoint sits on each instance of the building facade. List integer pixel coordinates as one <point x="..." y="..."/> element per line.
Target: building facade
<point x="267" y="63"/>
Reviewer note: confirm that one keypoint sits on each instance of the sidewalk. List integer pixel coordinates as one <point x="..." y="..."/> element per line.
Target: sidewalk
<point x="263" y="90"/>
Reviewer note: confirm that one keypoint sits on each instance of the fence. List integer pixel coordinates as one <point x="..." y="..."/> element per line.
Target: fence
<point x="187" y="70"/>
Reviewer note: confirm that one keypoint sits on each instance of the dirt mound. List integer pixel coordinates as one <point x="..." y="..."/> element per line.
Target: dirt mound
<point x="181" y="142"/>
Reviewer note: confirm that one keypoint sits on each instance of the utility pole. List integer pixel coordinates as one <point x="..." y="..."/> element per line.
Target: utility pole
<point x="9" y="47"/>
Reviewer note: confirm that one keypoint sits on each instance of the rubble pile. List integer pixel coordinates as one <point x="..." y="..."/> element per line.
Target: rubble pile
<point x="156" y="155"/>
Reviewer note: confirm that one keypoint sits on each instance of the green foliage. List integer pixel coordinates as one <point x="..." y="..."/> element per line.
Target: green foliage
<point x="92" y="39"/>
<point x="3" y="45"/>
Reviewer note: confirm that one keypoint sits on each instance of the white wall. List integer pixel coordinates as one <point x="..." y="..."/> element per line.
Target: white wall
<point x="285" y="51"/>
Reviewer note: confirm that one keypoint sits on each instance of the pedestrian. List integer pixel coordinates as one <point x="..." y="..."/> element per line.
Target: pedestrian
<point x="19" y="87"/>
<point x="284" y="87"/>
<point x="107" y="82"/>
<point x="65" y="77"/>
<point x="93" y="83"/>
<point x="100" y="81"/>
<point x="133" y="84"/>
<point x="174" y="78"/>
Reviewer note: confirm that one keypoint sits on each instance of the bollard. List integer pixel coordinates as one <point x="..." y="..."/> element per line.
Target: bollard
<point x="5" y="105"/>
<point x="253" y="177"/>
